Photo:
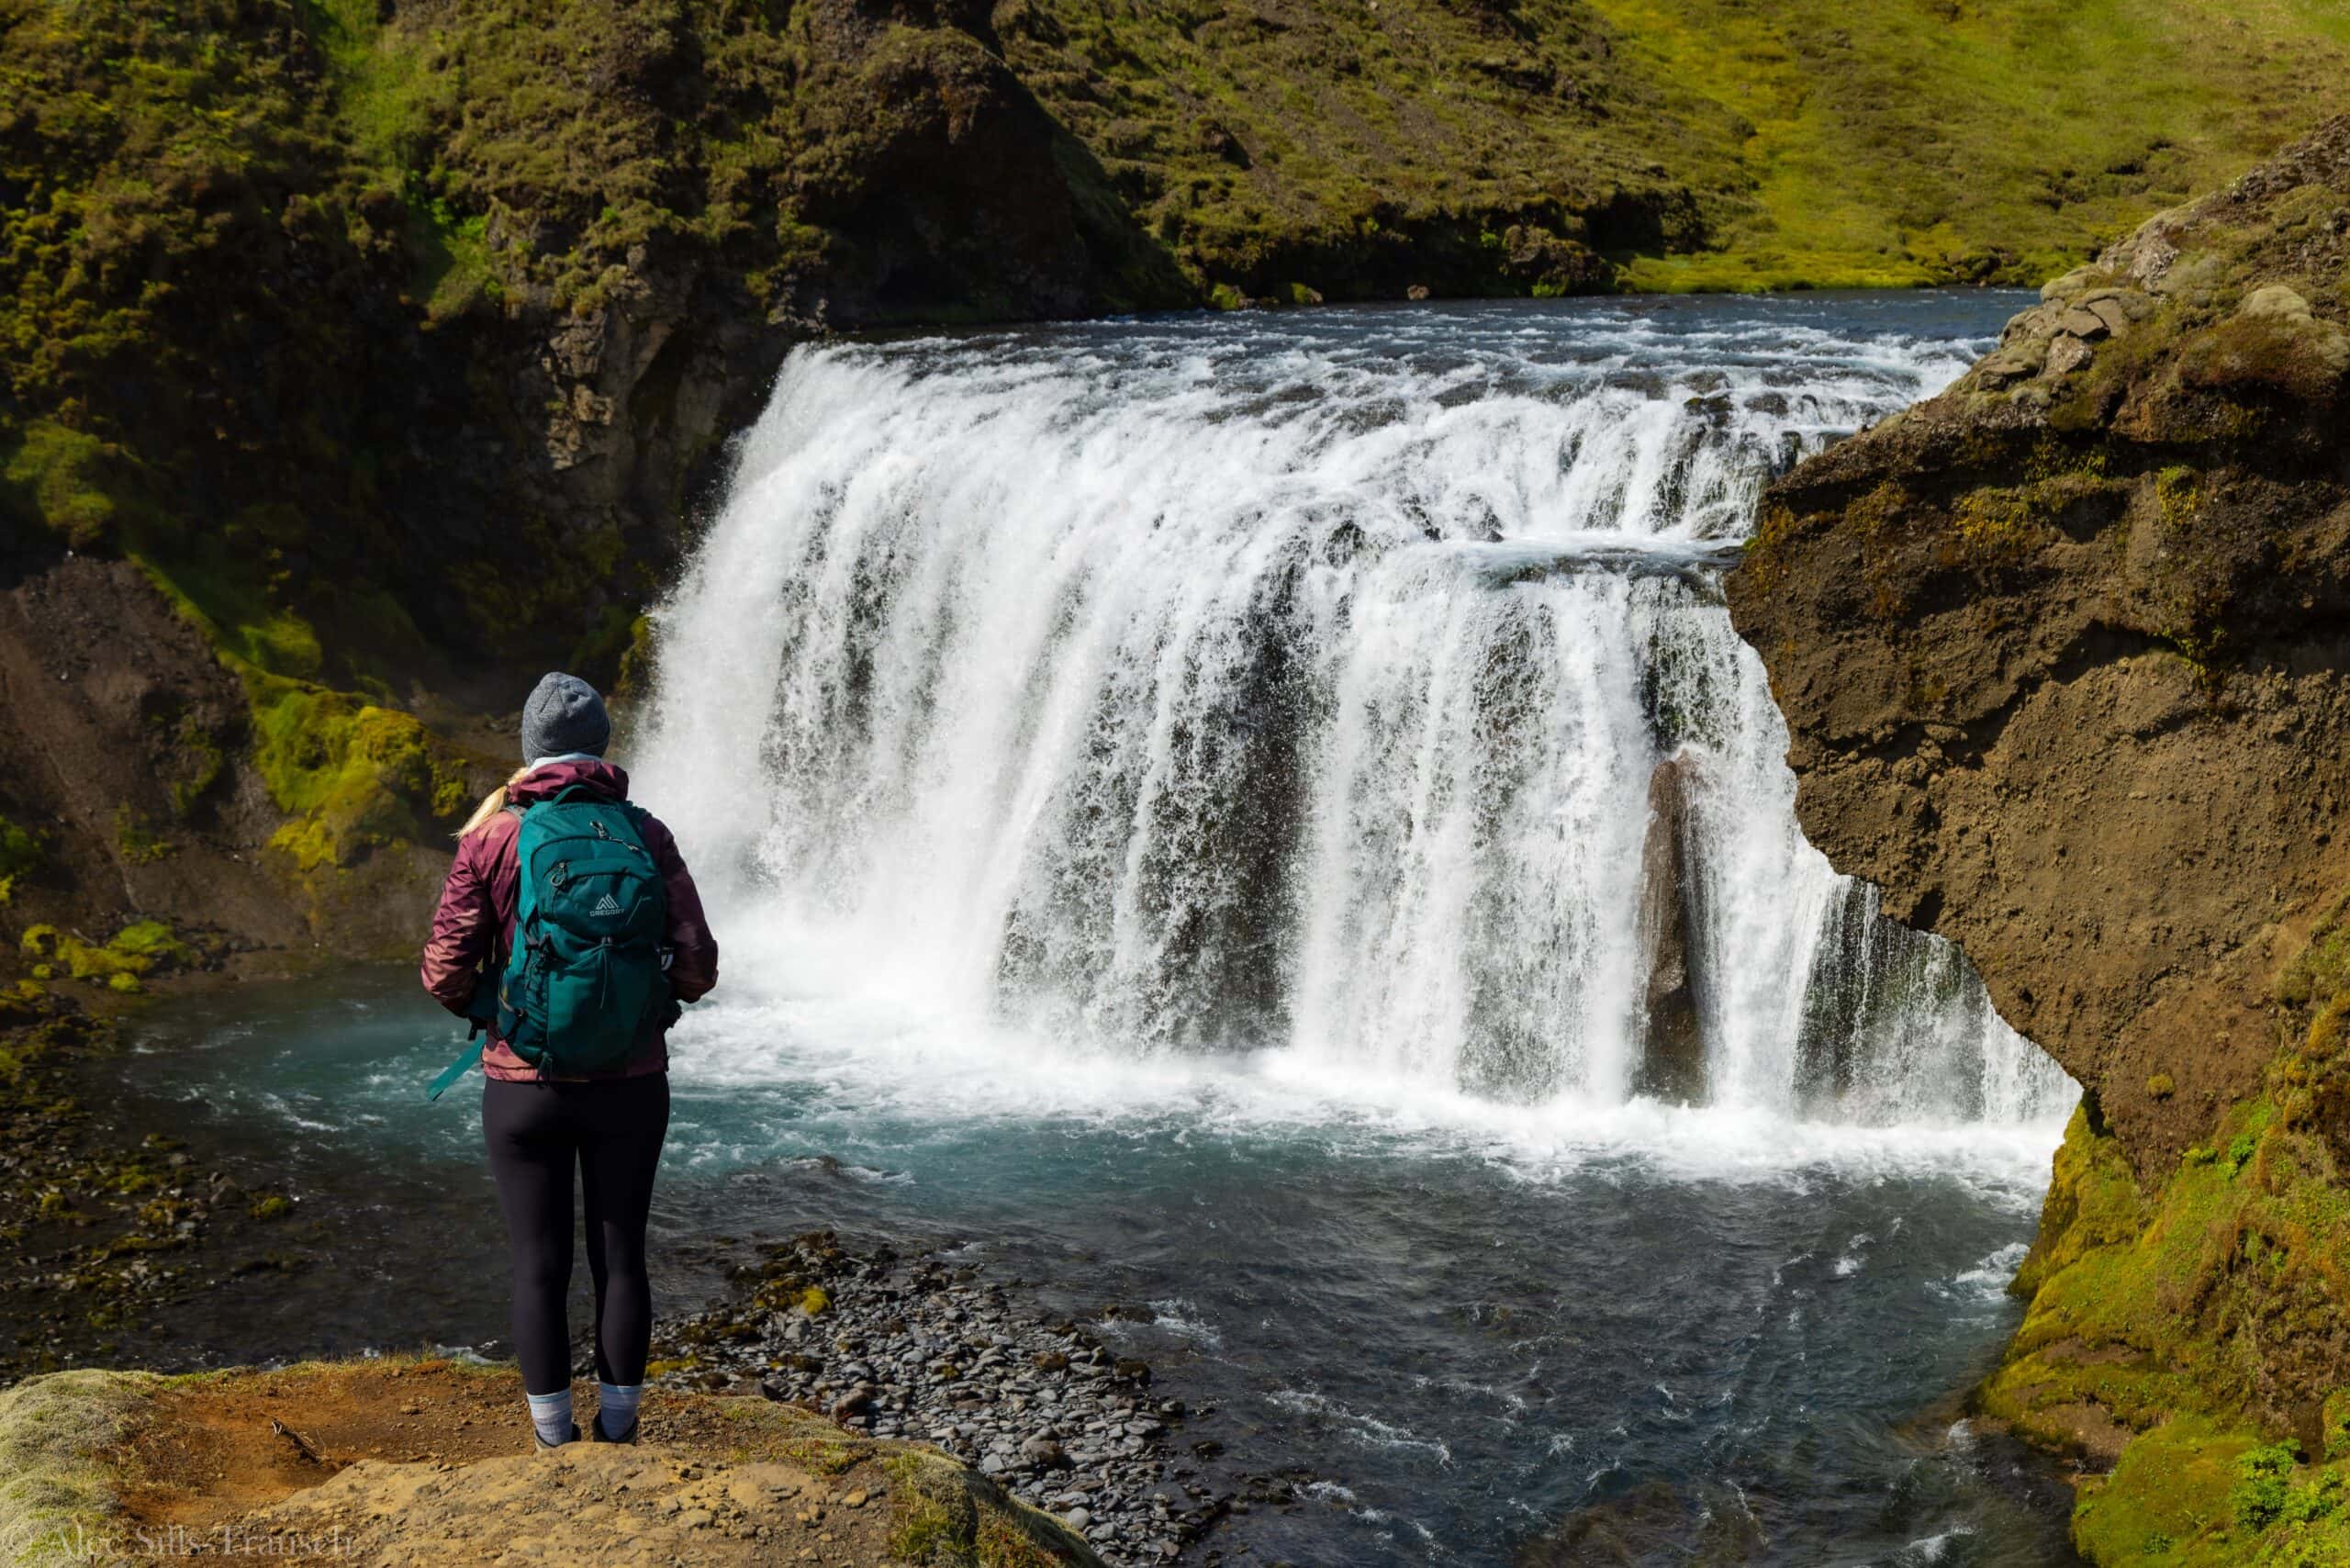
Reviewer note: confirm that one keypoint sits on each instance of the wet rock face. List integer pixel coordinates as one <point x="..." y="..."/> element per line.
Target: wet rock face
<point x="2065" y="651"/>
<point x="1672" y="1064"/>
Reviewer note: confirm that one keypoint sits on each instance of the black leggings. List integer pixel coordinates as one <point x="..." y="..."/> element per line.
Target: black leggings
<point x="611" y="1129"/>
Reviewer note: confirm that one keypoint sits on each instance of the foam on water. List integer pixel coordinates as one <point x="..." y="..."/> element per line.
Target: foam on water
<point x="863" y="1062"/>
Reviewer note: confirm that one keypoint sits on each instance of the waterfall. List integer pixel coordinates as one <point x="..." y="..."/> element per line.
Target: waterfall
<point x="1355" y="685"/>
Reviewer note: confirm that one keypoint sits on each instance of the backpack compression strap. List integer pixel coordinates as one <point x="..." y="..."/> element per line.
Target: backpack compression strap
<point x="455" y="1070"/>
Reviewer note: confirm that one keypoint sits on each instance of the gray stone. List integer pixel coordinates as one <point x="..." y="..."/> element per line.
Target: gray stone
<point x="2111" y="312"/>
<point x="2066" y="355"/>
<point x="2070" y="283"/>
<point x="2276" y="301"/>
<point x="2150" y="261"/>
<point x="2017" y="362"/>
<point x="2083" y="323"/>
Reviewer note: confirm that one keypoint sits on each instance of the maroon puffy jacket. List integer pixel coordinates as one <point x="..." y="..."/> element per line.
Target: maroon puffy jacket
<point x="474" y="927"/>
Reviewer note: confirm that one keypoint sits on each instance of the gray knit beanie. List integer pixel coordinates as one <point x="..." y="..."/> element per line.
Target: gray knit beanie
<point x="563" y="715"/>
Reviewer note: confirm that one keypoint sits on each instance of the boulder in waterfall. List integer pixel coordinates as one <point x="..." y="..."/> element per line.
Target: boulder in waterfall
<point x="1673" y="1043"/>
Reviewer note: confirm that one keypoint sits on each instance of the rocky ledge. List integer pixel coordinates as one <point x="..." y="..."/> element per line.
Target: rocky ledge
<point x="2065" y="656"/>
<point x="916" y="1348"/>
<point x="394" y="1461"/>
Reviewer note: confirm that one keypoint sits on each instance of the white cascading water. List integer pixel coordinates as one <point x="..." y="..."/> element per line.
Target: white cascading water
<point x="1183" y="688"/>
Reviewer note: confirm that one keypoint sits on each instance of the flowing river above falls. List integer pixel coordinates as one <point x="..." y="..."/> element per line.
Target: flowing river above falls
<point x="1265" y="818"/>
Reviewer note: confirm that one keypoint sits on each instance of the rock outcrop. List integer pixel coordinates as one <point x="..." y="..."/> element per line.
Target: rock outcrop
<point x="2065" y="655"/>
<point x="2062" y="650"/>
<point x="1672" y="1056"/>
<point x="399" y="1461"/>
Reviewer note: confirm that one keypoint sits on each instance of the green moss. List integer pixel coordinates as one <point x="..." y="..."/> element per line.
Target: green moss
<point x="2302" y="359"/>
<point x="2167" y="1500"/>
<point x="1998" y="525"/>
<point x="135" y="842"/>
<point x="57" y="1496"/>
<point x="139" y="948"/>
<point x="635" y="670"/>
<point x="2173" y="1317"/>
<point x="352" y="776"/>
<point x="270" y="1206"/>
<point x="2318" y="975"/>
<point x="63" y="480"/>
<point x="22" y="851"/>
<point x="237" y="617"/>
<point x="943" y="1515"/>
<point x="2200" y="1315"/>
<point x="610" y="656"/>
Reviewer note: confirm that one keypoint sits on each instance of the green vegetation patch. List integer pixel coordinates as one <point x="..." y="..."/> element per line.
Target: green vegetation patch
<point x="1696" y="144"/>
<point x="2204" y="1319"/>
<point x="1967" y="142"/>
<point x="354" y="776"/>
<point x="136" y="842"/>
<point x="141" y="948"/>
<point x="22" y="851"/>
<point x="943" y="1514"/>
<point x="56" y="1498"/>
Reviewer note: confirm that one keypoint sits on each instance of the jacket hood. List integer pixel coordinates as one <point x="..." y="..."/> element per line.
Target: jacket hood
<point x="546" y="783"/>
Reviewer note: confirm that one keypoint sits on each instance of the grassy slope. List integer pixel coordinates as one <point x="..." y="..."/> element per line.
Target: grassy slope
<point x="161" y="395"/>
<point x="1324" y="137"/>
<point x="1925" y="141"/>
<point x="1827" y="143"/>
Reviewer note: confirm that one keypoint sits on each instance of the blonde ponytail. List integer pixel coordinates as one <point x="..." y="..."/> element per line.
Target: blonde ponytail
<point x="493" y="803"/>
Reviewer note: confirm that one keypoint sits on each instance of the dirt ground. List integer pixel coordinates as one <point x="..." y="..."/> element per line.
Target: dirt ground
<point x="432" y="1462"/>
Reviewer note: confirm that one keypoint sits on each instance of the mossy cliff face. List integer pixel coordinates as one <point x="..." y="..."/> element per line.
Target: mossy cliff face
<point x="2064" y="654"/>
<point x="148" y="771"/>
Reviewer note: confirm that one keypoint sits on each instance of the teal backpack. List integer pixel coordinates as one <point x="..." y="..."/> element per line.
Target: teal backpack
<point x="586" y="981"/>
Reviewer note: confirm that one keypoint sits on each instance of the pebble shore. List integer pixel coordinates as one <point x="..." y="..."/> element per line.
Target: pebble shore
<point x="915" y="1348"/>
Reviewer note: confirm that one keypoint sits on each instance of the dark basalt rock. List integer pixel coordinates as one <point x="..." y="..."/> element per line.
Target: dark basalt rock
<point x="904" y="1348"/>
<point x="1672" y="1063"/>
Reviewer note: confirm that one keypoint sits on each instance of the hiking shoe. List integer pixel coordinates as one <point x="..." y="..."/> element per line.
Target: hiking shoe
<point x="542" y="1446"/>
<point x="595" y="1431"/>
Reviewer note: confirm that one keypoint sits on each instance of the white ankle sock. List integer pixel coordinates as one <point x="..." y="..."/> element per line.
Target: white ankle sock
<point x="551" y="1414"/>
<point x="616" y="1407"/>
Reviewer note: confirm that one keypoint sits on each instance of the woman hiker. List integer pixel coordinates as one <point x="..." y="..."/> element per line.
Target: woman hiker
<point x="570" y="931"/>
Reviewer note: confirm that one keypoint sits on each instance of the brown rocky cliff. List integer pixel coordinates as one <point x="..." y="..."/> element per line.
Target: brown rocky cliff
<point x="2065" y="653"/>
